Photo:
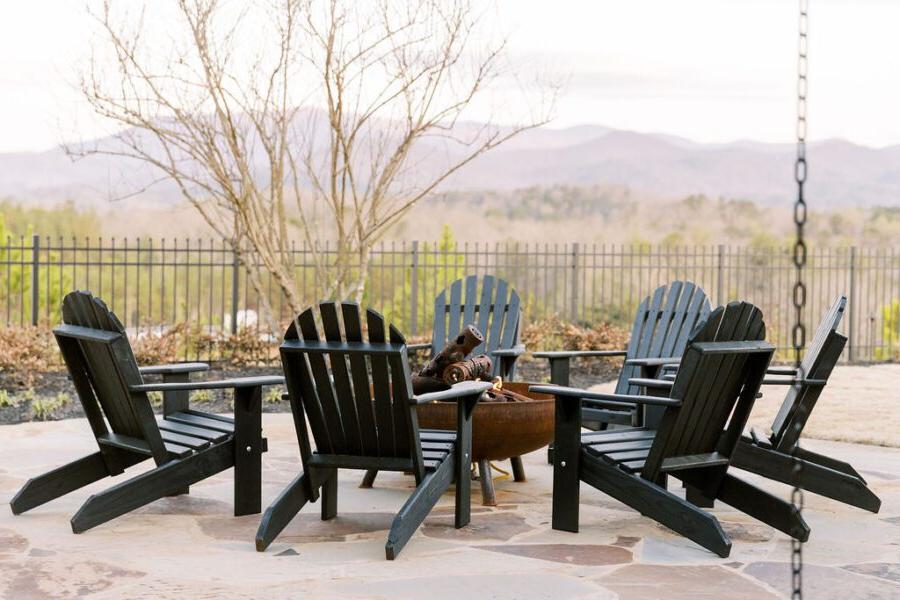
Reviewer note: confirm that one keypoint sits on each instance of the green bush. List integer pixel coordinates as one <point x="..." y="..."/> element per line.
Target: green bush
<point x="44" y="408"/>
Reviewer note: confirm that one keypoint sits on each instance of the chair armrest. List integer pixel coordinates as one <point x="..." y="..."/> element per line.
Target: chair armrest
<point x="579" y="354"/>
<point x="665" y="384"/>
<point x="517" y="350"/>
<point x="175" y="368"/>
<point x="410" y="348"/>
<point x="614" y="399"/>
<point x="795" y="381"/>
<point x="459" y="390"/>
<point x="654" y="362"/>
<point x="222" y="384"/>
<point x="792" y="371"/>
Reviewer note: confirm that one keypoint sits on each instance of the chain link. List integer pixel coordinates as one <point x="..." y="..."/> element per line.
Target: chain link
<point x="799" y="295"/>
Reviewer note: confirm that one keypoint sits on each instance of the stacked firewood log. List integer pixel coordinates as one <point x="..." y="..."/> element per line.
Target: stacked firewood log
<point x="451" y="365"/>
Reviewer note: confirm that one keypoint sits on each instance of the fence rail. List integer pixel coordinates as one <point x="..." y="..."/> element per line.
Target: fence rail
<point x="154" y="284"/>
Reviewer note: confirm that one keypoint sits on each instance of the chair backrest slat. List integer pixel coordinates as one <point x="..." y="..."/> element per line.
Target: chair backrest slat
<point x="666" y="316"/>
<point x="484" y="309"/>
<point x="365" y="408"/>
<point x="471" y="300"/>
<point x="321" y="379"/>
<point x="498" y="313"/>
<point x="455" y="313"/>
<point x="714" y="388"/>
<point x="821" y="356"/>
<point x="381" y="387"/>
<point x="103" y="368"/>
<point x="489" y="303"/>
<point x="662" y="326"/>
<point x="340" y="373"/>
<point x="406" y="425"/>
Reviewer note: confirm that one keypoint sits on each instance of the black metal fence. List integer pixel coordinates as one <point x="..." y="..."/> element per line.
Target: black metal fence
<point x="154" y="284"/>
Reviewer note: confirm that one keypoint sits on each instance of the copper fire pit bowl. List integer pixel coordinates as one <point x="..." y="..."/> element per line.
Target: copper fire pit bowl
<point x="500" y="430"/>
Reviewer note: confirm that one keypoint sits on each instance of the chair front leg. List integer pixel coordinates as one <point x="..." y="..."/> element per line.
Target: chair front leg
<point x="566" y="457"/>
<point x="463" y="460"/>
<point x="329" y="493"/>
<point x="248" y="449"/>
<point x="285" y="507"/>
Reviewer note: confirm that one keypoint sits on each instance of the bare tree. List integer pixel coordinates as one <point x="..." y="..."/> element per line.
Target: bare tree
<point x="323" y="119"/>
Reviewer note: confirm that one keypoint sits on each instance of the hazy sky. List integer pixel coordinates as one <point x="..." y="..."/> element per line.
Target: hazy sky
<point x="709" y="70"/>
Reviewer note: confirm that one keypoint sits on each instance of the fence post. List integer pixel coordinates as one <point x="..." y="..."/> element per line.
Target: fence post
<point x="574" y="294"/>
<point x="720" y="276"/>
<point x="414" y="290"/>
<point x="35" y="280"/>
<point x="235" y="282"/>
<point x="851" y="316"/>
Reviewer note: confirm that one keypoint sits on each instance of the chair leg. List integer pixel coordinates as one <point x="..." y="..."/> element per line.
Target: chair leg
<point x="282" y="510"/>
<point x="830" y="463"/>
<point x="417" y="508"/>
<point x="817" y="478"/>
<point x="369" y="478"/>
<point x="248" y="449"/>
<point x="152" y="485"/>
<point x="60" y="481"/>
<point x="329" y="495"/>
<point x="657" y="503"/>
<point x="762" y="505"/>
<point x="463" y="480"/>
<point x="488" y="497"/>
<point x="518" y="468"/>
<point x="698" y="498"/>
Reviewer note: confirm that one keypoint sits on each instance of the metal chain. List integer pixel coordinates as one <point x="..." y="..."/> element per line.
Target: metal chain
<point x="800" y="252"/>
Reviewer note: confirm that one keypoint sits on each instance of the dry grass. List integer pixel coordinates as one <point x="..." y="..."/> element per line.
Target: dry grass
<point x="860" y="404"/>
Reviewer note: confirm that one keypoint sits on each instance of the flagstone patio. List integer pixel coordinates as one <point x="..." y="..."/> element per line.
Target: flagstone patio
<point x="191" y="547"/>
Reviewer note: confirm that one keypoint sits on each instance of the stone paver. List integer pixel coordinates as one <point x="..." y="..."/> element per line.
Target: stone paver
<point x="191" y="546"/>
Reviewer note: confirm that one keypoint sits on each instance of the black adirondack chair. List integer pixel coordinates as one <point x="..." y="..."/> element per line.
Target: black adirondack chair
<point x="770" y="455"/>
<point x="357" y="397"/>
<point x="187" y="446"/>
<point x="495" y="309"/>
<point x="661" y="328"/>
<point x="705" y="412"/>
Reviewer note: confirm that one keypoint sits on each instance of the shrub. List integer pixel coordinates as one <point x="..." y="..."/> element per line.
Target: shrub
<point x="202" y="396"/>
<point x="43" y="408"/>
<point x="552" y="333"/>
<point x="7" y="401"/>
<point x="25" y="353"/>
<point x="155" y="398"/>
<point x="273" y="395"/>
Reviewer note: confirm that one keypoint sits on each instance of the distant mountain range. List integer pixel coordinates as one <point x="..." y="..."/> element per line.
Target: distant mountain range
<point x="840" y="173"/>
